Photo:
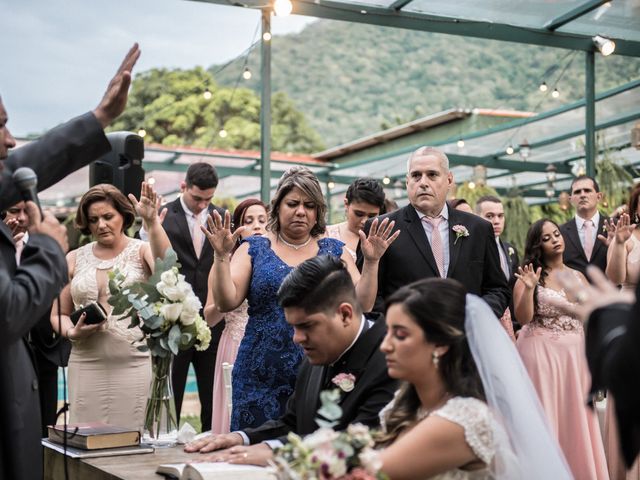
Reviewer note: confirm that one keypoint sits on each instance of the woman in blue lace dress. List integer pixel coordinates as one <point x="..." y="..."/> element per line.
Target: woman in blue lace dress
<point x="265" y="369"/>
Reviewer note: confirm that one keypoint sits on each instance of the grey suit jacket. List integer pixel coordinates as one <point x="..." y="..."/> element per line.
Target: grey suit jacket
<point x="26" y="292"/>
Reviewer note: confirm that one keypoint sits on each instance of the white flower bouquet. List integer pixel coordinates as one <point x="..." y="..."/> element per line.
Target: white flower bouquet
<point x="167" y="312"/>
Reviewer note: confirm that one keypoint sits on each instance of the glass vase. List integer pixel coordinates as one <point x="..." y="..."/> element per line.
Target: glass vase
<point x="160" y="423"/>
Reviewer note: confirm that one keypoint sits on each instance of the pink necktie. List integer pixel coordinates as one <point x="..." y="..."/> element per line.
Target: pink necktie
<point x="588" y="238"/>
<point x="436" y="242"/>
<point x="197" y="237"/>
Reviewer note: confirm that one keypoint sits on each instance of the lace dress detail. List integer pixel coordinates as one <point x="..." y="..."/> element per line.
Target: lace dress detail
<point x="236" y="321"/>
<point x="633" y="265"/>
<point x="479" y="426"/>
<point x="265" y="369"/>
<point x="84" y="284"/>
<point x="333" y="231"/>
<point x="551" y="317"/>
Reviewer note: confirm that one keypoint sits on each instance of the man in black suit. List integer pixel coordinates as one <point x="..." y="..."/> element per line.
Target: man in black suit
<point x="28" y="290"/>
<point x="491" y="209"/>
<point x="436" y="241"/>
<point x="584" y="245"/>
<point x="319" y="301"/>
<point x="612" y="339"/>
<point x="182" y="224"/>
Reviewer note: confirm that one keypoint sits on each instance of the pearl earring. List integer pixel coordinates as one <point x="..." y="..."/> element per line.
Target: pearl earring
<point x="435" y="358"/>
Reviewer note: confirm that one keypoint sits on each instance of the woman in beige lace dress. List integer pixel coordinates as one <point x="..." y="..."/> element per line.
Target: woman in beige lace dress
<point x="364" y="200"/>
<point x="108" y="376"/>
<point x="623" y="268"/>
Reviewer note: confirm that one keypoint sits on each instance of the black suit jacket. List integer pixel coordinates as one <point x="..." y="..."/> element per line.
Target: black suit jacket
<point x="194" y="269"/>
<point x="574" y="256"/>
<point x="372" y="391"/>
<point x="26" y="292"/>
<point x="613" y="354"/>
<point x="474" y="260"/>
<point x="514" y="262"/>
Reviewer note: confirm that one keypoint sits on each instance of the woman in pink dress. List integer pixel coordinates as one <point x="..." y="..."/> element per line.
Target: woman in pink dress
<point x="623" y="268"/>
<point x="252" y="214"/>
<point x="551" y="345"/>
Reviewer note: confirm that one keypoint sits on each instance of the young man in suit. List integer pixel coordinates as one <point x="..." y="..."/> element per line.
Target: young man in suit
<point x="491" y="209"/>
<point x="182" y="224"/>
<point x="436" y="241"/>
<point x="28" y="290"/>
<point x="319" y="301"/>
<point x="584" y="244"/>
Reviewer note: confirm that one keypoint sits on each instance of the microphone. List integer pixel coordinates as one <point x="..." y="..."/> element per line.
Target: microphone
<point x="26" y="181"/>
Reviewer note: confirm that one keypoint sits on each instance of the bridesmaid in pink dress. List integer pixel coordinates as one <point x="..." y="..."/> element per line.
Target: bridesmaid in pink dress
<point x="551" y="345"/>
<point x="252" y="214"/>
<point x="623" y="268"/>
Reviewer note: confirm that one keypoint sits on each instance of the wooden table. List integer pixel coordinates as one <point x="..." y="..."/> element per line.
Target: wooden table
<point x="124" y="467"/>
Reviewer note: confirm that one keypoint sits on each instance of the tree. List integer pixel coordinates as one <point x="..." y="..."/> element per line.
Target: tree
<point x="171" y="107"/>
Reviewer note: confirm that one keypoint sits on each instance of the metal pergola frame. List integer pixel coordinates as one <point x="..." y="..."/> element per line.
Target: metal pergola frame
<point x="396" y="16"/>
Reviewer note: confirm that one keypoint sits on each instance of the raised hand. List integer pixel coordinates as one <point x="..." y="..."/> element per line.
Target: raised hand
<point x="115" y="98"/>
<point x="529" y="276"/>
<point x="624" y="229"/>
<point x="376" y="243"/>
<point x="219" y="233"/>
<point x="146" y="208"/>
<point x="47" y="225"/>
<point x="610" y="228"/>
<point x="212" y="442"/>
<point x="14" y="226"/>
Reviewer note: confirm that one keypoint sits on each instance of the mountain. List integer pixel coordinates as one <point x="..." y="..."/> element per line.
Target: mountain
<point x="351" y="79"/>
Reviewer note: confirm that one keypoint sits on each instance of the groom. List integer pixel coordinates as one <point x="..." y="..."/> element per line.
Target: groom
<point x="437" y="241"/>
<point x="340" y="343"/>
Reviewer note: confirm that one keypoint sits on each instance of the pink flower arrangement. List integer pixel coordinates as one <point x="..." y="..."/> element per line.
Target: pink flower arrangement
<point x="460" y="231"/>
<point x="344" y="381"/>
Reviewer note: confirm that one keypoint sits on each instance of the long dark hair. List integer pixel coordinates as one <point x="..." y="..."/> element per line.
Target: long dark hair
<point x="534" y="255"/>
<point x="437" y="305"/>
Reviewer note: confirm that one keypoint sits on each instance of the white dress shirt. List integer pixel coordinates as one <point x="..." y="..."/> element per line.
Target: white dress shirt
<point x="580" y="226"/>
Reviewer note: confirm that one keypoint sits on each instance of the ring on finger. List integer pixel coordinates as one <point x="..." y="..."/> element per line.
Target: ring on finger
<point x="581" y="297"/>
<point x="245" y="455"/>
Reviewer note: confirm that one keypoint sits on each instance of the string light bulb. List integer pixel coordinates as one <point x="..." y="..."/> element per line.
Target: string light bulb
<point x="151" y="181"/>
<point x="282" y="8"/>
<point x="386" y="180"/>
<point x="471" y="185"/>
<point x="460" y="143"/>
<point x="142" y="132"/>
<point x="331" y="185"/>
<point x="555" y="93"/>
<point x="246" y="74"/>
<point x="266" y="36"/>
<point x="223" y="133"/>
<point x="509" y="150"/>
<point x="207" y="94"/>
<point x="543" y="87"/>
<point x="606" y="46"/>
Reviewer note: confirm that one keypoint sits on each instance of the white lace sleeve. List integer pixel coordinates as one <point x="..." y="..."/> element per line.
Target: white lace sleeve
<point x="383" y="413"/>
<point x="475" y="417"/>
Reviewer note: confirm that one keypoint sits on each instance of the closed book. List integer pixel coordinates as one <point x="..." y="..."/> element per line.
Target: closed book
<point x="216" y="470"/>
<point x="73" y="452"/>
<point x="92" y="436"/>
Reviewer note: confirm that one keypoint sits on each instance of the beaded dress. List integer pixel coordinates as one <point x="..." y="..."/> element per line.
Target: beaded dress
<point x="108" y="377"/>
<point x="265" y="369"/>
<point x="552" y="350"/>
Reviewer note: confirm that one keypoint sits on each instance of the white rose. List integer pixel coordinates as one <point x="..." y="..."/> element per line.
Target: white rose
<point x="169" y="277"/>
<point x="320" y="437"/>
<point x="173" y="293"/>
<point x="171" y="311"/>
<point x="185" y="289"/>
<point x="187" y="317"/>
<point x="192" y="303"/>
<point x="370" y="460"/>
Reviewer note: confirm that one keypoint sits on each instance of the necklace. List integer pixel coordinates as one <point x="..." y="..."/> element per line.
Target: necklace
<point x="293" y="245"/>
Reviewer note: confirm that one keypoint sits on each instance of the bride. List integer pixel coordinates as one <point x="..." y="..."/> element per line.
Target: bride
<point x="467" y="409"/>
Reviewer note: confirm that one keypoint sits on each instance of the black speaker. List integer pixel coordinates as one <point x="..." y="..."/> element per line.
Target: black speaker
<point x="122" y="166"/>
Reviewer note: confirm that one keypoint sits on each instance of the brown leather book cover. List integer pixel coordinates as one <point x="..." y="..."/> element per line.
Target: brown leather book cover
<point x="96" y="435"/>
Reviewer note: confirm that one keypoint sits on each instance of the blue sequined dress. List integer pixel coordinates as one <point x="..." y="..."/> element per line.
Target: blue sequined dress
<point x="265" y="369"/>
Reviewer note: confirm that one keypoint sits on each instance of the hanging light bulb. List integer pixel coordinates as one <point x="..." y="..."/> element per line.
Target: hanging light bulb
<point x="525" y="149"/>
<point x="331" y="185"/>
<point x="460" y="143"/>
<point x="606" y="46"/>
<point x="266" y="36"/>
<point x="543" y="87"/>
<point x="386" y="180"/>
<point x="142" y="132"/>
<point x="551" y="172"/>
<point x="555" y="93"/>
<point x="223" y="133"/>
<point x="207" y="94"/>
<point x="471" y="185"/>
<point x="246" y="74"/>
<point x="282" y="8"/>
<point x="509" y="150"/>
<point x="151" y="181"/>
<point x="550" y="191"/>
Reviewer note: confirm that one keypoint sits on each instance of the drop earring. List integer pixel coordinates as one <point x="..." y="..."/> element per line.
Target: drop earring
<point x="435" y="358"/>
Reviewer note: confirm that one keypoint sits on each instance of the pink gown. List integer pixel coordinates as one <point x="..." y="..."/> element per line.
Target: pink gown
<point x="617" y="467"/>
<point x="552" y="350"/>
<point x="230" y="339"/>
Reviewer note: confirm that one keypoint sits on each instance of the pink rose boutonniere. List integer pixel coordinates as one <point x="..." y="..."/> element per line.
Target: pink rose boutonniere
<point x="461" y="231"/>
<point x="344" y="381"/>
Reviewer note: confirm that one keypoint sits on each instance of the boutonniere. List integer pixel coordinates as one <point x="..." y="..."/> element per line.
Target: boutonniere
<point x="344" y="381"/>
<point x="461" y="231"/>
<point x="511" y="251"/>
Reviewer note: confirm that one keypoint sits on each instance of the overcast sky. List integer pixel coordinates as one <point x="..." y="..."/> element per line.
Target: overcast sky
<point x="58" y="55"/>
